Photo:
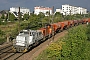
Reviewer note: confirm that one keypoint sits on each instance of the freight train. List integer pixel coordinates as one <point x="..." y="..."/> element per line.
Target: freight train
<point x="26" y="39"/>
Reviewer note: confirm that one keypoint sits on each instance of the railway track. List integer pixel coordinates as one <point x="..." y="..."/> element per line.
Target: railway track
<point x="5" y="47"/>
<point x="6" y="53"/>
<point x="5" y="50"/>
<point x="9" y="54"/>
<point x="13" y="56"/>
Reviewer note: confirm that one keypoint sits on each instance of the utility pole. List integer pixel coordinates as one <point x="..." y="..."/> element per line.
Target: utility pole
<point x="52" y="22"/>
<point x="52" y="14"/>
<point x="49" y="16"/>
<point x="19" y="17"/>
<point x="52" y="18"/>
<point x="70" y="15"/>
<point x="8" y="16"/>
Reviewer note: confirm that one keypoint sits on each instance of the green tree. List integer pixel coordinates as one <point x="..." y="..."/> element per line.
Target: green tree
<point x="26" y="16"/>
<point x="41" y="15"/>
<point x="48" y="13"/>
<point x="11" y="17"/>
<point x="74" y="48"/>
<point x="1" y="32"/>
<point x="3" y="16"/>
<point x="88" y="32"/>
<point x="58" y="17"/>
<point x="32" y="22"/>
<point x="58" y="14"/>
<point x="0" y="21"/>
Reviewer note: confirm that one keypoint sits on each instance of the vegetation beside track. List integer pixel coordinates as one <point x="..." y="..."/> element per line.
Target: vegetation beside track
<point x="74" y="46"/>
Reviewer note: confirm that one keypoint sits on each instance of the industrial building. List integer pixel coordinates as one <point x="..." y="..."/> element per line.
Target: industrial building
<point x="42" y="9"/>
<point x="70" y="10"/>
<point x="23" y="11"/>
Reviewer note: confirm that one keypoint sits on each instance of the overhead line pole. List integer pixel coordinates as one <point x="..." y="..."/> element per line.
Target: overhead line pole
<point x="19" y="17"/>
<point x="53" y="22"/>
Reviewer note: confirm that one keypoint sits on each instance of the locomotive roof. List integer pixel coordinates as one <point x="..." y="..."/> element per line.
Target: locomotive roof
<point x="30" y="30"/>
<point x="24" y="35"/>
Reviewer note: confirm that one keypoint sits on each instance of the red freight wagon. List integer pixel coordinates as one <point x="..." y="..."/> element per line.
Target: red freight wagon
<point x="43" y="31"/>
<point x="63" y="24"/>
<point x="80" y="21"/>
<point x="55" y="26"/>
<point x="66" y="23"/>
<point x="75" y="22"/>
<point x="48" y="31"/>
<point x="71" y="22"/>
<point x="89" y="20"/>
<point x="85" y="20"/>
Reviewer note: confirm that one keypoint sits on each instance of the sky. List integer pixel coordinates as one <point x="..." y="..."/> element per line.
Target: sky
<point x="30" y="4"/>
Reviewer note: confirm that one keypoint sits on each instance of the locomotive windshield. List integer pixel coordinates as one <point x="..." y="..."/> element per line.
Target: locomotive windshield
<point x="21" y="31"/>
<point x="26" y="32"/>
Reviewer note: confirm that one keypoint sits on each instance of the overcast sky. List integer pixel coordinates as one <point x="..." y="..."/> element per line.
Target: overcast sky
<point x="6" y="4"/>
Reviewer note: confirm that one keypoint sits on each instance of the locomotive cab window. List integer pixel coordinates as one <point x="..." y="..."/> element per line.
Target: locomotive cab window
<point x="30" y="34"/>
<point x="21" y="32"/>
<point x="26" y="32"/>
